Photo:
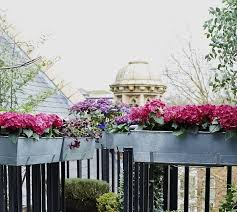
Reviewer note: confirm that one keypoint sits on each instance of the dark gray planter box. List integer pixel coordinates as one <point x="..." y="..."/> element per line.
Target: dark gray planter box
<point x="117" y="141"/>
<point x="27" y="151"/>
<point x="85" y="151"/>
<point x="192" y="149"/>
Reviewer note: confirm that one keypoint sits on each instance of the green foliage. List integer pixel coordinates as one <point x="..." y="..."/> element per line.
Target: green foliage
<point x="17" y="70"/>
<point x="121" y="128"/>
<point x="82" y="193"/>
<point x="230" y="201"/>
<point x="221" y="30"/>
<point x="158" y="189"/>
<point x="121" y="194"/>
<point x="108" y="202"/>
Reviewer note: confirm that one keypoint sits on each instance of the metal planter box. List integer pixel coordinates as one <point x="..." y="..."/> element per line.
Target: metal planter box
<point x="27" y="151"/>
<point x="192" y="149"/>
<point x="85" y="151"/>
<point x="117" y="141"/>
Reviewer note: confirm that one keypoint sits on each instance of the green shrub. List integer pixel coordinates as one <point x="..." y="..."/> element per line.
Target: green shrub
<point x="81" y="194"/>
<point x="230" y="201"/>
<point x="108" y="202"/>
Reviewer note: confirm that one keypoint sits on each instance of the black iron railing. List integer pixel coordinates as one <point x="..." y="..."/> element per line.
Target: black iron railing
<point x="40" y="188"/>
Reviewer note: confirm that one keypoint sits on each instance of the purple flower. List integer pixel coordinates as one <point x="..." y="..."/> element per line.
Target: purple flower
<point x="83" y="106"/>
<point x="102" y="126"/>
<point x="122" y="119"/>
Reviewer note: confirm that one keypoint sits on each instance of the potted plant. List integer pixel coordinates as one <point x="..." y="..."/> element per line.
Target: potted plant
<point x="27" y="139"/>
<point x="187" y="134"/>
<point x="79" y="139"/>
<point x="119" y="133"/>
<point x="102" y="114"/>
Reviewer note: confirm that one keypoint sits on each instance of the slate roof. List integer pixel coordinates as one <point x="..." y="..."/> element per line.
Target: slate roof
<point x="14" y="55"/>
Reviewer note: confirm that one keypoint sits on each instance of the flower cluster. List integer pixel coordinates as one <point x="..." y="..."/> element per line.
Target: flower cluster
<point x="189" y="114"/>
<point x="39" y="123"/>
<point x="227" y="117"/>
<point x="90" y="105"/>
<point x="142" y="114"/>
<point x="158" y="116"/>
<point x="78" y="128"/>
<point x="102" y="113"/>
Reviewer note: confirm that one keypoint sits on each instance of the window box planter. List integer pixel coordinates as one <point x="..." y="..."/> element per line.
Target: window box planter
<point x="26" y="151"/>
<point x="84" y="151"/>
<point x="191" y="149"/>
<point x="117" y="141"/>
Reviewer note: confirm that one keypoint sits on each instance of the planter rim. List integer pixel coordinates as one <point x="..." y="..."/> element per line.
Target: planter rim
<point x="79" y="137"/>
<point x="199" y="132"/>
<point x="6" y="136"/>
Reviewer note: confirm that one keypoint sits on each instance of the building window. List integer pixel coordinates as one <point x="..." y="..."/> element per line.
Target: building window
<point x="133" y="102"/>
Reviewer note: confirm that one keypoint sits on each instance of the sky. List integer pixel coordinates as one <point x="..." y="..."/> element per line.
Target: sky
<point x="94" y="39"/>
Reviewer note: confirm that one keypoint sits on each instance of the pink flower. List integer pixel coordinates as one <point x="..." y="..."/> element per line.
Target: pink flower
<point x="227" y="116"/>
<point x="189" y="114"/>
<point x="38" y="123"/>
<point x="141" y="114"/>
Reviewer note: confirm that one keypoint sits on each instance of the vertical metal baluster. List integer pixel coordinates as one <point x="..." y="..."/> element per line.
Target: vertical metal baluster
<point x="63" y="187"/>
<point x="28" y="192"/>
<point x="2" y="200"/>
<point x="36" y="188"/>
<point x="207" y="190"/>
<point x="130" y="167"/>
<point x="118" y="169"/>
<point x="43" y="188"/>
<point x="173" y="188"/>
<point x="146" y="187"/>
<point x="98" y="164"/>
<point x="186" y="188"/>
<point x="102" y="164"/>
<point x="136" y="187"/>
<point x="107" y="165"/>
<point x="112" y="160"/>
<point x="12" y="174"/>
<point x="88" y="169"/>
<point x="55" y="186"/>
<point x="49" y="182"/>
<point x="166" y="187"/>
<point x="5" y="173"/>
<point x="68" y="169"/>
<point x="141" y="187"/>
<point x="79" y="168"/>
<point x="126" y="180"/>
<point x="229" y="177"/>
<point x="19" y="188"/>
<point x="151" y="188"/>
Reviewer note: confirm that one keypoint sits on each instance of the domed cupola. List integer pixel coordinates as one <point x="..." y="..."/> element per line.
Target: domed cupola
<point x="136" y="83"/>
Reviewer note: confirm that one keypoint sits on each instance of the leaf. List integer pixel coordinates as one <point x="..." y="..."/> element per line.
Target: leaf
<point x="35" y="136"/>
<point x="215" y="122"/>
<point x="218" y="10"/>
<point x="159" y="120"/>
<point x="193" y="129"/>
<point x="229" y="135"/>
<point x="28" y="132"/>
<point x="179" y="132"/>
<point x="174" y="125"/>
<point x="56" y="131"/>
<point x="205" y="125"/>
<point x="214" y="128"/>
<point x="13" y="137"/>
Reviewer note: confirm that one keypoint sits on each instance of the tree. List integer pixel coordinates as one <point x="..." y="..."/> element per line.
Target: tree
<point x="221" y="30"/>
<point x="188" y="77"/>
<point x="17" y="70"/>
